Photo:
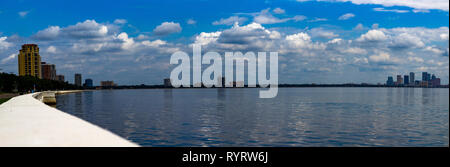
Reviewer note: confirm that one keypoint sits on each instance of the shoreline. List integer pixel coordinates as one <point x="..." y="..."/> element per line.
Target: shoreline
<point x="131" y="87"/>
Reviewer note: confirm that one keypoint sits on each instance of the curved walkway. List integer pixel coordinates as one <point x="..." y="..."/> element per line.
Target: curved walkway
<point x="25" y="121"/>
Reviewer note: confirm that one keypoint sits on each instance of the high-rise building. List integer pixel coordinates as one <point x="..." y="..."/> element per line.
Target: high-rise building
<point x="48" y="71"/>
<point x="406" y="79"/>
<point x="424" y="76"/>
<point x="29" y="61"/>
<point x="60" y="78"/>
<point x="167" y="83"/>
<point x="88" y="83"/>
<point x="390" y="81"/>
<point x="411" y="78"/>
<point x="78" y="79"/>
<point x="399" y="80"/>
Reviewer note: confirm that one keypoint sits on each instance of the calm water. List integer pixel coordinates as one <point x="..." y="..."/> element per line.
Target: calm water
<point x="296" y="117"/>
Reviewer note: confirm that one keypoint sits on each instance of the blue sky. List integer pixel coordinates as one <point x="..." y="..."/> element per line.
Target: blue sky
<point x="319" y="42"/>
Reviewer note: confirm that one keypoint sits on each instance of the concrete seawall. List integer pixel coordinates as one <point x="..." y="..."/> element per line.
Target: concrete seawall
<point x="26" y="121"/>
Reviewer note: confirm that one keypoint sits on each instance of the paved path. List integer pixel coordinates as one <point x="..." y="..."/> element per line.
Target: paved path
<point x="25" y="121"/>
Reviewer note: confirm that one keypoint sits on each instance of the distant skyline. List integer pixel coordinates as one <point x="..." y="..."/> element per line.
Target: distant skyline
<point x="318" y="42"/>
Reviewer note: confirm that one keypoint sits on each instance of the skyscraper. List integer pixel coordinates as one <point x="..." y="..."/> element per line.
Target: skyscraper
<point x="29" y="61"/>
<point x="78" y="79"/>
<point x="406" y="79"/>
<point x="390" y="81"/>
<point x="424" y="76"/>
<point x="48" y="71"/>
<point x="88" y="83"/>
<point x="411" y="78"/>
<point x="399" y="80"/>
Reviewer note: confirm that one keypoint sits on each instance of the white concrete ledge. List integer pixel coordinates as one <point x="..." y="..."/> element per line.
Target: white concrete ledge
<point x="25" y="121"/>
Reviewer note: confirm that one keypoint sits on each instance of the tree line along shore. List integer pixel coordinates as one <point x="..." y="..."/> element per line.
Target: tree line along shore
<point x="12" y="85"/>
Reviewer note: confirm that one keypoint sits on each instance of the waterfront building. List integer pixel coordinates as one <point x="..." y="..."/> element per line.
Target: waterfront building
<point x="60" y="78"/>
<point x="390" y="81"/>
<point x="88" y="83"/>
<point x="423" y="83"/>
<point x="406" y="80"/>
<point x="417" y="83"/>
<point x="48" y="71"/>
<point x="412" y="78"/>
<point x="167" y="83"/>
<point x="107" y="83"/>
<point x="78" y="79"/>
<point x="424" y="76"/>
<point x="29" y="61"/>
<point x="436" y="82"/>
<point x="399" y="80"/>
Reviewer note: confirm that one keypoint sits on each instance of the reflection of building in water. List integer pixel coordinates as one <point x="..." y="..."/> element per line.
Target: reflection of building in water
<point x="168" y="100"/>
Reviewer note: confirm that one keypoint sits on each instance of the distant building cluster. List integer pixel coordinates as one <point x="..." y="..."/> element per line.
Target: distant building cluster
<point x="220" y="81"/>
<point x="428" y="80"/>
<point x="107" y="84"/>
<point x="30" y="65"/>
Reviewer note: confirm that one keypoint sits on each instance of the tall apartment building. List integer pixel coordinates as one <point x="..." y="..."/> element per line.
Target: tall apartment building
<point x="412" y="78"/>
<point x="30" y="61"/>
<point x="78" y="79"/>
<point x="406" y="80"/>
<point x="48" y="71"/>
<point x="399" y="80"/>
<point x="88" y="83"/>
<point x="60" y="78"/>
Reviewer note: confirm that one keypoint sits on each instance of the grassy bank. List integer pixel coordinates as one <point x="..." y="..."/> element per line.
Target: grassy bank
<point x="6" y="96"/>
<point x="2" y="100"/>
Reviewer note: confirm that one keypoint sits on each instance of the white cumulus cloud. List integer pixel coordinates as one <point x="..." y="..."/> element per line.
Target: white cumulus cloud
<point x="167" y="28"/>
<point x="346" y="16"/>
<point x="230" y="20"/>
